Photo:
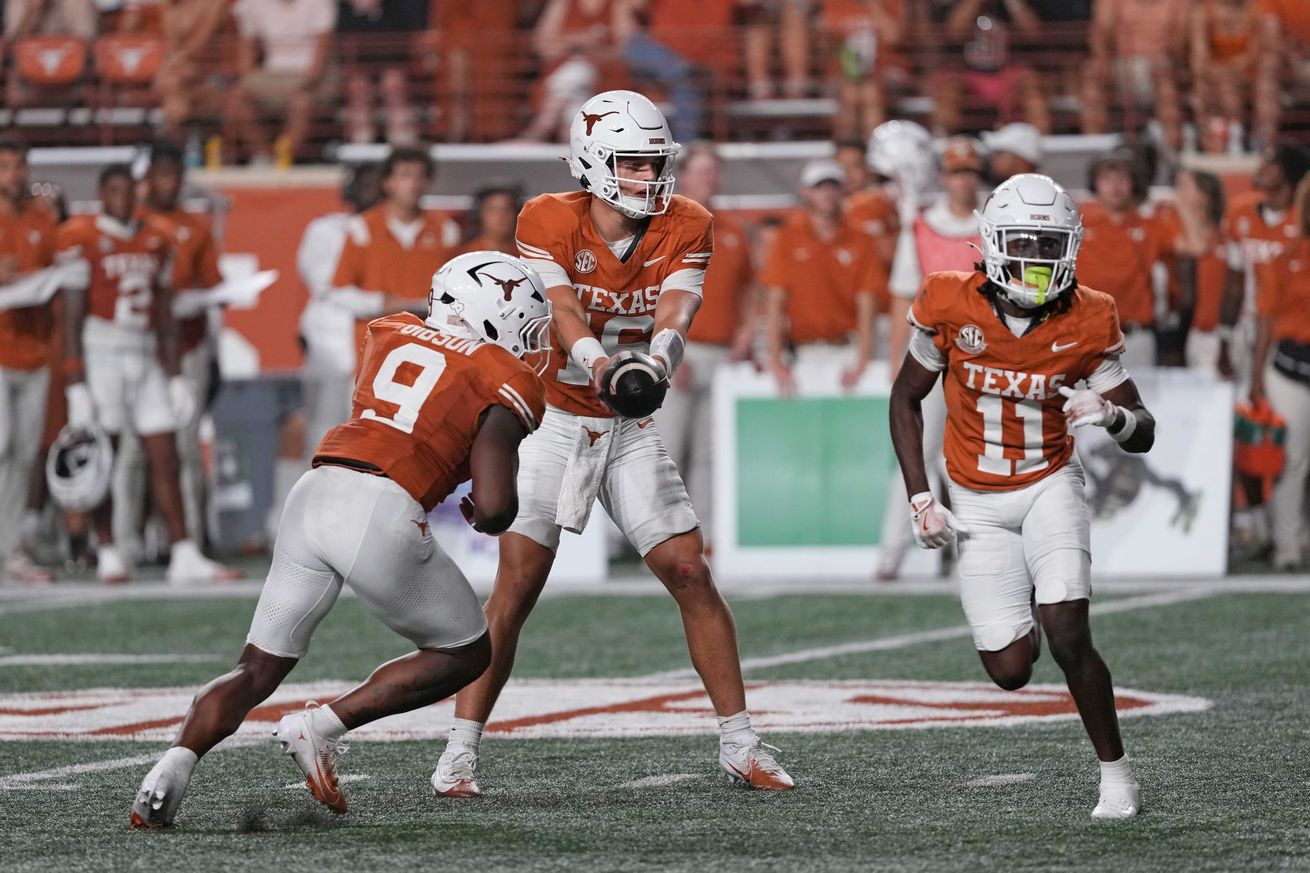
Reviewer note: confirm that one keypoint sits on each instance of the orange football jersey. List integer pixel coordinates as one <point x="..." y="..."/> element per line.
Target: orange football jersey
<point x="1004" y="424"/>
<point x="418" y="401"/>
<point x="619" y="296"/>
<point x="195" y="264"/>
<point x="129" y="263"/>
<point x="1257" y="242"/>
<point x="1285" y="293"/>
<point x="28" y="238"/>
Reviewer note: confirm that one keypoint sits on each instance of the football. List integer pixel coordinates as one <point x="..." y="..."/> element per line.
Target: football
<point x="633" y="384"/>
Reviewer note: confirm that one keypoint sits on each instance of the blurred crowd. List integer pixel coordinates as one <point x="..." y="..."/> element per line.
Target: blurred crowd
<point x="1202" y="281"/>
<point x="276" y="80"/>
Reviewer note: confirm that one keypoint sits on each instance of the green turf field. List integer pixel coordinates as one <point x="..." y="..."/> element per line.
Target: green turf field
<point x="1226" y="786"/>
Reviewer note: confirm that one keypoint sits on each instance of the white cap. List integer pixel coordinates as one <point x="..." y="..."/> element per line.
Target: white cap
<point x="821" y="170"/>
<point x="1021" y="139"/>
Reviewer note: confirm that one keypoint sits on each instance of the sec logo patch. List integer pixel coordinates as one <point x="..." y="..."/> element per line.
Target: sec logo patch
<point x="970" y="339"/>
<point x="584" y="261"/>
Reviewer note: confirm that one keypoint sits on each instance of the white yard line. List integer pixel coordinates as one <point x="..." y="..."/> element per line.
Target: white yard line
<point x="30" y="780"/>
<point x="1001" y="779"/>
<point x="662" y="781"/>
<point x="65" y="660"/>
<point x="902" y="641"/>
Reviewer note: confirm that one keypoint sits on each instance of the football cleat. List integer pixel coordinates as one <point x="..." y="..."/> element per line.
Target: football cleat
<point x="315" y="755"/>
<point x="160" y="795"/>
<point x="1119" y="802"/>
<point x="187" y="566"/>
<point x="454" y="776"/>
<point x="111" y="569"/>
<point x="754" y="767"/>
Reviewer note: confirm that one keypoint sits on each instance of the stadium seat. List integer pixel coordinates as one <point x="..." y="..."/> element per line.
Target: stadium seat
<point x="126" y="67"/>
<point x="50" y="61"/>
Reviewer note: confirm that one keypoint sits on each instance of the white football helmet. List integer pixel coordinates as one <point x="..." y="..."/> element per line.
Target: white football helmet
<point x="1031" y="230"/>
<point x="79" y="467"/>
<point x="902" y="151"/>
<point x="492" y="297"/>
<point x="618" y="124"/>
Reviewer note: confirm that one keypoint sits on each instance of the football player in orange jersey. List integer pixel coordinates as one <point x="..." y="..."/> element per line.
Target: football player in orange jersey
<point x="121" y="360"/>
<point x="624" y="262"/>
<point x="1011" y="342"/>
<point x="438" y="401"/>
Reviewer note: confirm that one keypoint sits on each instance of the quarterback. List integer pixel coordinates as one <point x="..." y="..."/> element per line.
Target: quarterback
<point x="1011" y="341"/>
<point x="624" y="263"/>
<point x="437" y="401"/>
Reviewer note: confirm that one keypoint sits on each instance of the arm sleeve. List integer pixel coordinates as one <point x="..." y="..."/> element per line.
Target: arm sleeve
<point x="924" y="350"/>
<point x="925" y="315"/>
<point x="346" y="291"/>
<point x="540" y="249"/>
<point x="691" y="262"/>
<point x="524" y="395"/>
<point x="70" y="249"/>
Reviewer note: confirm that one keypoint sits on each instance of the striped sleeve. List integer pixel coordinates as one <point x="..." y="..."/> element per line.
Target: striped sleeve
<point x="538" y="247"/>
<point x="525" y="396"/>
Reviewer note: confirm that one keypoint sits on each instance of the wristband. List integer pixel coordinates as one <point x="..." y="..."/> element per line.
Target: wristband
<point x="669" y="345"/>
<point x="1123" y="434"/>
<point x="586" y="352"/>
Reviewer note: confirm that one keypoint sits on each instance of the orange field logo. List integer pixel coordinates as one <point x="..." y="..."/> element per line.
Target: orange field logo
<point x="591" y="708"/>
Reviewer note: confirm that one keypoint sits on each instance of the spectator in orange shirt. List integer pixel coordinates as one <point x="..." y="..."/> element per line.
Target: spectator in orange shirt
<point x="865" y="32"/>
<point x="722" y="332"/>
<point x="1284" y="53"/>
<point x="1136" y="45"/>
<point x="1120" y="248"/>
<point x="850" y="153"/>
<point x="821" y="279"/>
<point x="1225" y="55"/>
<point x="496" y="208"/>
<point x="1283" y="328"/>
<point x="393" y="249"/>
<point x="27" y="246"/>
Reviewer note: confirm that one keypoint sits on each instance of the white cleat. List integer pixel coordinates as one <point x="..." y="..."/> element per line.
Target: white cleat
<point x="454" y="776"/>
<point x="187" y="566"/>
<point x="111" y="569"/>
<point x="160" y="795"/>
<point x="754" y="767"/>
<point x="315" y="755"/>
<point x="1119" y="802"/>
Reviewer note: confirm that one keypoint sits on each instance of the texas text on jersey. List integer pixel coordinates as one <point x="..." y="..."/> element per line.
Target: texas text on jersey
<point x="1005" y="427"/>
<point x="127" y="263"/>
<point x="419" y="401"/>
<point x="618" y="291"/>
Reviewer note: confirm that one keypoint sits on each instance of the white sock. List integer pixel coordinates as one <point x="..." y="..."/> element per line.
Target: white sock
<point x="737" y="730"/>
<point x="466" y="733"/>
<point x="1117" y="772"/>
<point x="180" y="757"/>
<point x="325" y="723"/>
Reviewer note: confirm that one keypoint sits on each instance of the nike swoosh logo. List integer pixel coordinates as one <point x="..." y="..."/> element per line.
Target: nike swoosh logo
<point x="645" y="422"/>
<point x="1056" y="347"/>
<point x="653" y="261"/>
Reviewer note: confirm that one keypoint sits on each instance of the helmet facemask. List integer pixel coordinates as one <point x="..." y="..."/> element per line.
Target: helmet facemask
<point x="655" y="194"/>
<point x="1033" y="265"/>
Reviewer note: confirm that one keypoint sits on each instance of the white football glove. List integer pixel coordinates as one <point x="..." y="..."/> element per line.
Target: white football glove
<point x="1085" y="406"/>
<point x="934" y="525"/>
<point x="81" y="409"/>
<point x="181" y="399"/>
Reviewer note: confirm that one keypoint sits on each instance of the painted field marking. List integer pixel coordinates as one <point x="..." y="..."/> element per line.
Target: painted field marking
<point x="662" y="781"/>
<point x="346" y="779"/>
<point x="102" y="658"/>
<point x="20" y="781"/>
<point x="902" y="641"/>
<point x="1001" y="779"/>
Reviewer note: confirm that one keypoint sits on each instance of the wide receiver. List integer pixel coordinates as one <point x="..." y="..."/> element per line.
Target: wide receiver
<point x="437" y="401"/>
<point x="624" y="261"/>
<point x="1011" y="341"/>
